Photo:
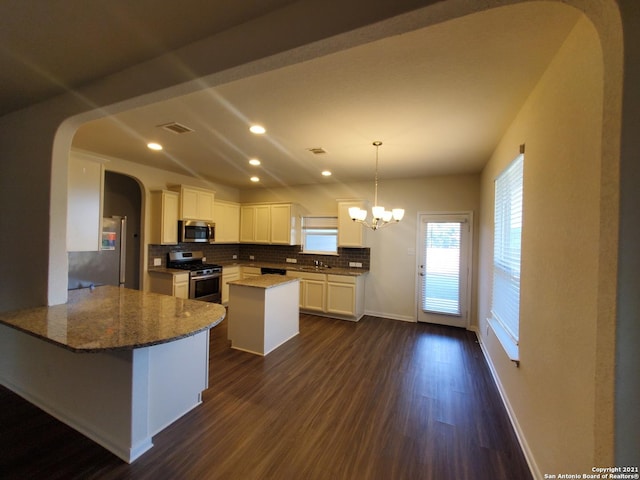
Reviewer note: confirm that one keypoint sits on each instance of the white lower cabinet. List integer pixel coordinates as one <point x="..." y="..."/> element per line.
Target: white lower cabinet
<point x="168" y="283"/>
<point x="181" y="286"/>
<point x="340" y="296"/>
<point x="229" y="274"/>
<point x="345" y="295"/>
<point x="313" y="288"/>
<point x="250" y="272"/>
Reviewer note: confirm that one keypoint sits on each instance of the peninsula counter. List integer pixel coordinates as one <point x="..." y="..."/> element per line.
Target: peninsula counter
<point x="117" y="365"/>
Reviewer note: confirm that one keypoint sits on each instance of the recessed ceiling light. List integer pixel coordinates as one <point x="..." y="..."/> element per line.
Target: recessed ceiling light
<point x="257" y="129"/>
<point x="326" y="173"/>
<point x="154" y="146"/>
<point x="254" y="161"/>
<point x="255" y="179"/>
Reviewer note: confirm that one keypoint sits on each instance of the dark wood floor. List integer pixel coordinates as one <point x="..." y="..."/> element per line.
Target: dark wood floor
<point x="378" y="399"/>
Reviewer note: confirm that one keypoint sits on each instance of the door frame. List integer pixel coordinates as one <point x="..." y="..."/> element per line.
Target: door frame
<point x="416" y="301"/>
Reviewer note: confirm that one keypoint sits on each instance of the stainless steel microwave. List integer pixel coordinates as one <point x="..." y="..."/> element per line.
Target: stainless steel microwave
<point x="195" y="231"/>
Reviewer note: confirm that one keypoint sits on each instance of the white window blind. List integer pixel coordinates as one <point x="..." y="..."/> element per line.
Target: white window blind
<point x="505" y="303"/>
<point x="320" y="234"/>
<point x="441" y="281"/>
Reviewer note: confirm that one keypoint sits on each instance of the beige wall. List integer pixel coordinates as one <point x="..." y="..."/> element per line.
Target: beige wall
<point x="35" y="142"/>
<point x="552" y="393"/>
<point x="391" y="284"/>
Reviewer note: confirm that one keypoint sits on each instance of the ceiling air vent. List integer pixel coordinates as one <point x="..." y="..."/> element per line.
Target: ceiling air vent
<point x="317" y="150"/>
<point x="175" y="127"/>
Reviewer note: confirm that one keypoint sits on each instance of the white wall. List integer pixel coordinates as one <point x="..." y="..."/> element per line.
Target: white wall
<point x="553" y="393"/>
<point x="391" y="283"/>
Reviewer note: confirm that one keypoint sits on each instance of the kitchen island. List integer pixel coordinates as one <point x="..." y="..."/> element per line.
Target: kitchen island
<point x="263" y="312"/>
<point x="117" y="365"/>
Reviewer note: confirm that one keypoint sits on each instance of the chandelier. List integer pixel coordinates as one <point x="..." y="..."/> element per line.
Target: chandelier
<point x="380" y="216"/>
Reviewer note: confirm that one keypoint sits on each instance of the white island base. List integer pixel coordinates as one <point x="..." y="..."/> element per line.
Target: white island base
<point x="119" y="399"/>
<point x="263" y="312"/>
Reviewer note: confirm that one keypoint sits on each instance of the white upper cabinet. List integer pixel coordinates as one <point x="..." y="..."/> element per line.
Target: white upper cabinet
<point x="262" y="219"/>
<point x="84" y="204"/>
<point x="227" y="219"/>
<point x="164" y="217"/>
<point x="195" y="203"/>
<point x="350" y="233"/>
<point x="277" y="223"/>
<point x="285" y="224"/>
<point x="255" y="223"/>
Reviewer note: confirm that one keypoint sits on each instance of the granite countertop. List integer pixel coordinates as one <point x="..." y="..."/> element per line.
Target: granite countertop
<point x="354" y="272"/>
<point x="264" y="281"/>
<point x="112" y="318"/>
<point x="167" y="271"/>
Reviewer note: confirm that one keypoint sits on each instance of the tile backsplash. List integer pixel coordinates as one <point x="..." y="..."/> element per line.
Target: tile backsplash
<point x="224" y="253"/>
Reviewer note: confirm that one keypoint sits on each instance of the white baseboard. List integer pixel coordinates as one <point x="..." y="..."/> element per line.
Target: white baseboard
<point x="528" y="454"/>
<point x="391" y="316"/>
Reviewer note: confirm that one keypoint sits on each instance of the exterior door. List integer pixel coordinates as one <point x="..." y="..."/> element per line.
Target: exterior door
<point x="444" y="247"/>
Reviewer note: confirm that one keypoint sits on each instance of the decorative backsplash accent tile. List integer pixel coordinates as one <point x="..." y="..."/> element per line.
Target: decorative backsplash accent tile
<point x="263" y="253"/>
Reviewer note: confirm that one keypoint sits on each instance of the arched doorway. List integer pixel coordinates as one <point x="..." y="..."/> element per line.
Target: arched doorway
<point x="123" y="198"/>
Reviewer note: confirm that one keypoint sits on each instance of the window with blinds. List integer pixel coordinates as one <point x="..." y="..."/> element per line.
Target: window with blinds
<point x="441" y="280"/>
<point x="505" y="302"/>
<point x="320" y="235"/>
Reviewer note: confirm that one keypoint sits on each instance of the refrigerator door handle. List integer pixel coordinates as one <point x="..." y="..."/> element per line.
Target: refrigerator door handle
<point x="123" y="249"/>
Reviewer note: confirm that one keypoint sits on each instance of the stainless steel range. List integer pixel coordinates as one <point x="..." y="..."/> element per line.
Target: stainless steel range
<point x="205" y="279"/>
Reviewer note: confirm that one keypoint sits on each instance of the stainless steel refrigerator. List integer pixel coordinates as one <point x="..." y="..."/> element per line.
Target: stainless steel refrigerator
<point x="106" y="266"/>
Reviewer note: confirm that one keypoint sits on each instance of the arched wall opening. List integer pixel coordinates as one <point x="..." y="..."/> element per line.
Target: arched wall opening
<point x="123" y="197"/>
<point x="605" y="17"/>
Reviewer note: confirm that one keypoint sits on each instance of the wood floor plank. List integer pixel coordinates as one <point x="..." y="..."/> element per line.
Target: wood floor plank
<point x="377" y="399"/>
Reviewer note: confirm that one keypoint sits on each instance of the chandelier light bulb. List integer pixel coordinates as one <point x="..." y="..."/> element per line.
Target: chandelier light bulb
<point x="377" y="211"/>
<point x="398" y="214"/>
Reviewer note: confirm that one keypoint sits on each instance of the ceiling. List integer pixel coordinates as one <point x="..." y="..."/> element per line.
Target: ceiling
<point x="49" y="47"/>
<point x="439" y="99"/>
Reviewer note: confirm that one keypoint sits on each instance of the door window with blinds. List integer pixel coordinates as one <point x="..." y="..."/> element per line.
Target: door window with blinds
<point x="320" y="235"/>
<point x="441" y="286"/>
<point x="443" y="268"/>
<point x="505" y="300"/>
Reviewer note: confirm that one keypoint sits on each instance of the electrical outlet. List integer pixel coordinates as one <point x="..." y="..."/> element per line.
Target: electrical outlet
<point x="157" y="262"/>
<point x="235" y="257"/>
<point x="204" y="259"/>
<point x="251" y="257"/>
<point x="292" y="260"/>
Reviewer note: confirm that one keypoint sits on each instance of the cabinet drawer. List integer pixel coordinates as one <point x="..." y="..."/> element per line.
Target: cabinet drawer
<point x="307" y="275"/>
<point x="250" y="271"/>
<point x="341" y="278"/>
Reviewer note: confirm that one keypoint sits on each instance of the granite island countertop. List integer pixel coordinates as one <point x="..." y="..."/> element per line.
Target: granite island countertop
<point x="264" y="281"/>
<point x="113" y="318"/>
